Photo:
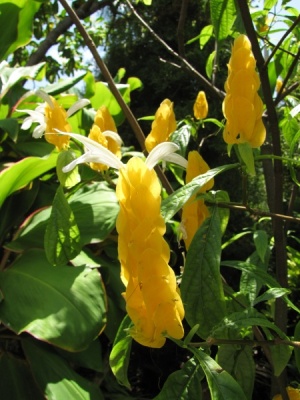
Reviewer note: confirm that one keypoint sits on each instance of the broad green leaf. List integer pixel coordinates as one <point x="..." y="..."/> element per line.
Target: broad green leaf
<point x="260" y="275"/>
<point x="62" y="236"/>
<point x="63" y="85"/>
<point x="222" y="386"/>
<point x="71" y="178"/>
<point x="205" y="34"/>
<point x="64" y="306"/>
<point x="95" y="208"/>
<point x="216" y="197"/>
<point x="238" y="362"/>
<point x="16" y="21"/>
<point x="55" y="377"/>
<point x="280" y="354"/>
<point x="222" y="14"/>
<point x="18" y="383"/>
<point x="10" y="76"/>
<point x="120" y="353"/>
<point x="201" y="285"/>
<point x="261" y="242"/>
<point x="176" y="200"/>
<point x="22" y="173"/>
<point x="184" y="384"/>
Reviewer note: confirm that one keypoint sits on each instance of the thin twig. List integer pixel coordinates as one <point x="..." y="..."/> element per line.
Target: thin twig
<point x="215" y="91"/>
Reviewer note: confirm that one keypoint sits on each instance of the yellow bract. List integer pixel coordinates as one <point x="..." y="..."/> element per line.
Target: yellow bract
<point x="103" y="122"/>
<point x="242" y="106"/>
<point x="163" y="125"/>
<point x="294" y="394"/>
<point x="56" y="118"/>
<point x="194" y="212"/>
<point x="152" y="297"/>
<point x="200" y="106"/>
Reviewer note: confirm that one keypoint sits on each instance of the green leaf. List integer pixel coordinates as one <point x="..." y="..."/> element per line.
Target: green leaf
<point x="205" y="34"/>
<point x="16" y="21"/>
<point x="62" y="236"/>
<point x="260" y="275"/>
<point x="55" y="377"/>
<point x="246" y="154"/>
<point x="238" y="362"/>
<point x="222" y="386"/>
<point x="120" y="353"/>
<point x="177" y="199"/>
<point x="271" y="294"/>
<point x="18" y="383"/>
<point x="261" y="242"/>
<point x="64" y="306"/>
<point x="280" y="354"/>
<point x="10" y="76"/>
<point x="71" y="178"/>
<point x="11" y="126"/>
<point x="216" y="197"/>
<point x="201" y="285"/>
<point x="210" y="64"/>
<point x="184" y="384"/>
<point x="236" y="321"/>
<point x="222" y="14"/>
<point x="22" y="173"/>
<point x="63" y="85"/>
<point x="95" y="208"/>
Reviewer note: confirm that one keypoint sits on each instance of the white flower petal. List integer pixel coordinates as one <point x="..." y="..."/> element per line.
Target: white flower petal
<point x="160" y="152"/>
<point x="77" y="106"/>
<point x="114" y="136"/>
<point x="177" y="159"/>
<point x="27" y="123"/>
<point x="38" y="131"/>
<point x="45" y="96"/>
<point x="95" y="152"/>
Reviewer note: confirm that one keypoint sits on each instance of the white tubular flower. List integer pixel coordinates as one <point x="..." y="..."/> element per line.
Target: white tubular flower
<point x="50" y="116"/>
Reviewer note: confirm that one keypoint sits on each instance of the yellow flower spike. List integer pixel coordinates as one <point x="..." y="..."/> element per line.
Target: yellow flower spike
<point x="294" y="394"/>
<point x="200" y="106"/>
<point x="242" y="106"/>
<point x="163" y="125"/>
<point x="144" y="255"/>
<point x="194" y="212"/>
<point x="104" y="120"/>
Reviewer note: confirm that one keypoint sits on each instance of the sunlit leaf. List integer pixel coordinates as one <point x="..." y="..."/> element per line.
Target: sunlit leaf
<point x="55" y="377"/>
<point x="201" y="285"/>
<point x="223" y="15"/>
<point x="64" y="306"/>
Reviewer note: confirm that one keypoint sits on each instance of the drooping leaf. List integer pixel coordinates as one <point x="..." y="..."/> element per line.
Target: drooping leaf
<point x="16" y="20"/>
<point x="95" y="208"/>
<point x="18" y="383"/>
<point x="201" y="285"/>
<point x="221" y="384"/>
<point x="176" y="200"/>
<point x="261" y="242"/>
<point x="184" y="384"/>
<point x="10" y="76"/>
<point x="120" y="353"/>
<point x="63" y="85"/>
<point x="22" y="173"/>
<point x="238" y="362"/>
<point x="55" y="377"/>
<point x="222" y="15"/>
<point x="205" y="34"/>
<point x="62" y="236"/>
<point x="64" y="306"/>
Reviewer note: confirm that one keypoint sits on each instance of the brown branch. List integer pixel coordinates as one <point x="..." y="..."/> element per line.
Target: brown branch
<point x="86" y="9"/>
<point x="180" y="27"/>
<point x="109" y="79"/>
<point x="211" y="88"/>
